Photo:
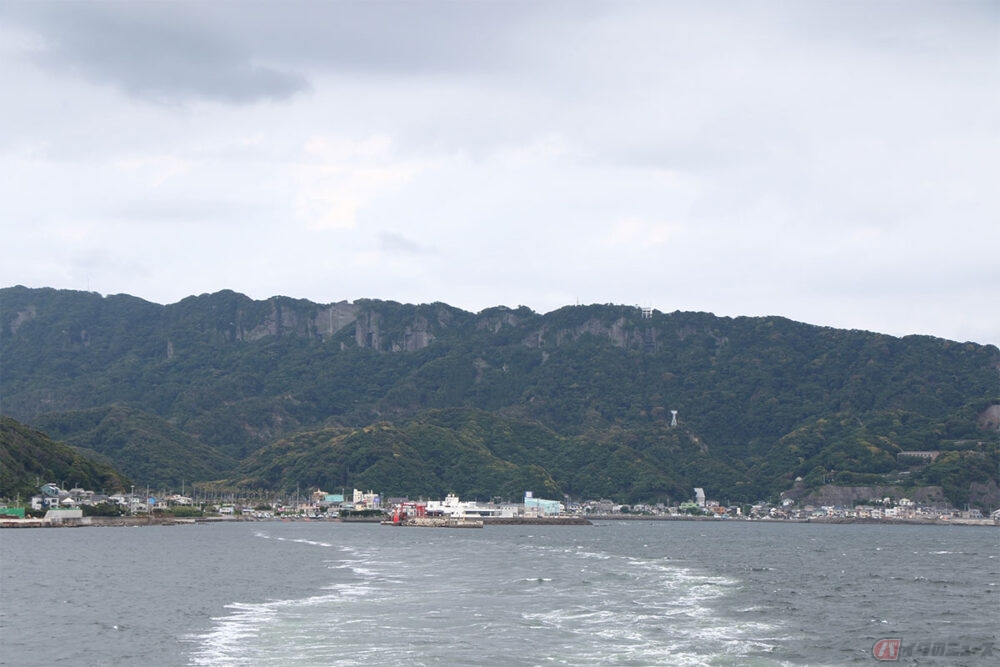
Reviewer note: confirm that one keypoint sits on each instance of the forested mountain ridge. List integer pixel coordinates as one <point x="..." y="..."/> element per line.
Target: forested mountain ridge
<point x="585" y="392"/>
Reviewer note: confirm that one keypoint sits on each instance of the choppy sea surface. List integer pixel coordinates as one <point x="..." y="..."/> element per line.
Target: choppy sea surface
<point x="615" y="593"/>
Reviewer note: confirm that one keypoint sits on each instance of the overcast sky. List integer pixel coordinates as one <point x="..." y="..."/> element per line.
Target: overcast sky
<point x="835" y="163"/>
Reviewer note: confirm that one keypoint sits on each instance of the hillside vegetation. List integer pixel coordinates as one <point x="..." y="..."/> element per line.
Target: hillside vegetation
<point x="140" y="445"/>
<point x="425" y="399"/>
<point x="29" y="458"/>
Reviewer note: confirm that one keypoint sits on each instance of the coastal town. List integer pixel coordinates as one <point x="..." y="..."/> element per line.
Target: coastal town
<point x="54" y="506"/>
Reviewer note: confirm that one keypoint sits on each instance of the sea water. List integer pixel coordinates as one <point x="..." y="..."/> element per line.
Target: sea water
<point x="615" y="593"/>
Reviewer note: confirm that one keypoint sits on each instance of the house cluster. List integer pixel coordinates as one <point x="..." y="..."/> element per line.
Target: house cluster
<point x="318" y="504"/>
<point x="700" y="505"/>
<point x="884" y="509"/>
<point x="53" y="497"/>
<point x="321" y="503"/>
<point x="777" y="512"/>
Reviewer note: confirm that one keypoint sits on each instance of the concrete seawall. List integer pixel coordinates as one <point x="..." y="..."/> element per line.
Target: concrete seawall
<point x="115" y="521"/>
<point x="537" y="521"/>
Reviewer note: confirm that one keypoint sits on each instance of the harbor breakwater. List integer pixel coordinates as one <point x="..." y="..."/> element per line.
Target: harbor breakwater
<point x="536" y="521"/>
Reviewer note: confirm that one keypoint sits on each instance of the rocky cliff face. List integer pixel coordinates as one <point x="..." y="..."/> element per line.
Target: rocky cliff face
<point x="280" y="321"/>
<point x="281" y="317"/>
<point x="496" y="319"/>
<point x="382" y="326"/>
<point x="990" y="418"/>
<point x="21" y="317"/>
<point x="369" y="332"/>
<point x="285" y="320"/>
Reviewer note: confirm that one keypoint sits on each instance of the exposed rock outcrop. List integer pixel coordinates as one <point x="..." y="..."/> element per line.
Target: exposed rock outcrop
<point x="990" y="418"/>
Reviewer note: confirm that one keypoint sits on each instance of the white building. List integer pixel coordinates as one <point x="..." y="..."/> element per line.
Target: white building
<point x="370" y="500"/>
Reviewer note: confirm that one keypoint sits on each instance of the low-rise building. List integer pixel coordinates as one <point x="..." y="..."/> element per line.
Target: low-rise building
<point x="540" y="506"/>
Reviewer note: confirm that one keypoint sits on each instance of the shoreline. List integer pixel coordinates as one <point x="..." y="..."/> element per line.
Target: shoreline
<point x="117" y="522"/>
<point x="823" y="520"/>
<point x="131" y="522"/>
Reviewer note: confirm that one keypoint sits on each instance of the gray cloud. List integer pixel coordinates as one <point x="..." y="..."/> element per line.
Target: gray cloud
<point x="826" y="161"/>
<point x="152" y="51"/>
<point x="250" y="51"/>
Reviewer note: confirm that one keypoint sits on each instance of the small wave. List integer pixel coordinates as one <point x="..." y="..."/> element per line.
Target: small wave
<point x="349" y="591"/>
<point x="265" y="536"/>
<point x="232" y="639"/>
<point x="313" y="543"/>
<point x="935" y="582"/>
<point x="226" y="643"/>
